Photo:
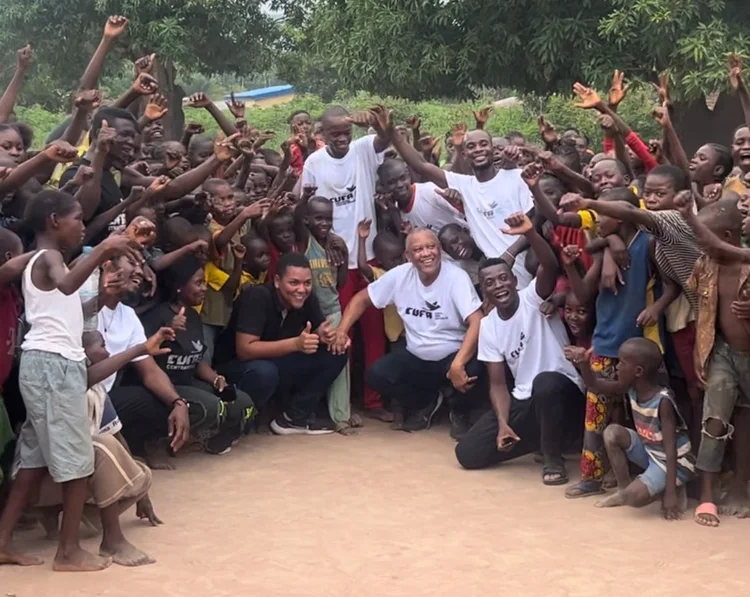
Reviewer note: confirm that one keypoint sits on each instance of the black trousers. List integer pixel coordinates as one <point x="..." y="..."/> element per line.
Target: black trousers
<point x="547" y="421"/>
<point x="412" y="382"/>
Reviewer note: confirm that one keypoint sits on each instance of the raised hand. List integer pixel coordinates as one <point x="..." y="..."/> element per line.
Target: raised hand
<point x="363" y="118"/>
<point x="145" y="64"/>
<point x="61" y="152"/>
<point x="82" y="175"/>
<point x="154" y="343"/>
<point x="308" y="192"/>
<point x="105" y="137"/>
<point x="115" y="26"/>
<point x="532" y="173"/>
<point x="382" y="120"/>
<point x="198" y="100"/>
<point x="571" y="202"/>
<point x="199" y="247"/>
<point x="194" y="128"/>
<point x="570" y="254"/>
<point x="24" y="57"/>
<point x="145" y="84"/>
<point x="224" y="148"/>
<point x="141" y="230"/>
<point x="684" y="203"/>
<point x="618" y="89"/>
<point x="262" y="139"/>
<point x="518" y="224"/>
<point x="577" y="354"/>
<point x="236" y="108"/>
<point x="122" y="244"/>
<point x="661" y="115"/>
<point x="482" y="115"/>
<point x="90" y="99"/>
<point x="414" y="122"/>
<point x="547" y="130"/>
<point x="308" y="342"/>
<point x="257" y="209"/>
<point x="428" y="143"/>
<point x="156" y="107"/>
<point x="239" y="251"/>
<point x="158" y="185"/>
<point x="458" y="133"/>
<point x="452" y="196"/>
<point x="363" y="228"/>
<point x="588" y="97"/>
<point x="735" y="71"/>
<point x="511" y="155"/>
<point x="663" y="89"/>
<point x="179" y="321"/>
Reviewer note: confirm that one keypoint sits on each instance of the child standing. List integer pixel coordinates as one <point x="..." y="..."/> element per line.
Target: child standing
<point x="53" y="377"/>
<point x="660" y="445"/>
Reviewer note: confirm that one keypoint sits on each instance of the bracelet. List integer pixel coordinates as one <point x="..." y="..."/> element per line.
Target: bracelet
<point x="215" y="383"/>
<point x="181" y="400"/>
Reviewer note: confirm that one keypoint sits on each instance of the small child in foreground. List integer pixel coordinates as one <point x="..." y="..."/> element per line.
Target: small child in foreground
<point x="660" y="445"/>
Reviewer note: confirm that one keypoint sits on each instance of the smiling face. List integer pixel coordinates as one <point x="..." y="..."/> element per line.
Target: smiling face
<point x="606" y="175"/>
<point x="11" y="145"/>
<point x="578" y="317"/>
<point x="221" y="204"/>
<point x="457" y="243"/>
<point x="423" y="251"/>
<point x="124" y="145"/>
<point x="337" y="132"/>
<point x="301" y="123"/>
<point x="294" y="286"/>
<point x="499" y="286"/>
<point x="396" y="181"/>
<point x="257" y="186"/>
<point x="741" y="149"/>
<point x="478" y="150"/>
<point x="319" y="218"/>
<point x="193" y="292"/>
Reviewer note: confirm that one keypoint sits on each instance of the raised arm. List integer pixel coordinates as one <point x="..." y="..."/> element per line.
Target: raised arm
<point x="621" y="210"/>
<point x="58" y="152"/>
<point x="114" y="28"/>
<point x="200" y="100"/>
<point x="24" y="57"/>
<point x="222" y="240"/>
<point x="585" y="289"/>
<point x="738" y="83"/>
<point x="519" y="224"/>
<point x="543" y="204"/>
<point x="677" y="152"/>
<point x="363" y="231"/>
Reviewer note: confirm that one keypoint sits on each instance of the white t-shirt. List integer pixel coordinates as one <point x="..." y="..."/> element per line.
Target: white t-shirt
<point x="349" y="183"/>
<point x="121" y="330"/>
<point x="434" y="316"/>
<point x="487" y="204"/>
<point x="528" y="341"/>
<point x="427" y="209"/>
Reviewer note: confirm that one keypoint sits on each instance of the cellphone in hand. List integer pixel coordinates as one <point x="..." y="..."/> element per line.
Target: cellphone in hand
<point x="228" y="394"/>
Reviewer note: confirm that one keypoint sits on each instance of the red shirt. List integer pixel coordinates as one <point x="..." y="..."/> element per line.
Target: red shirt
<point x="10" y="309"/>
<point x="565" y="236"/>
<point x="298" y="161"/>
<point x="639" y="148"/>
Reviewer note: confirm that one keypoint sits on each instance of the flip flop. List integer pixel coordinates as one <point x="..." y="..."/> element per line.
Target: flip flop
<point x="554" y="468"/>
<point x="584" y="489"/>
<point x="710" y="509"/>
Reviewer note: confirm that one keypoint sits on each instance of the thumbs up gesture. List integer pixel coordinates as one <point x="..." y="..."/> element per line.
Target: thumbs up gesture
<point x="179" y="321"/>
<point x="308" y="342"/>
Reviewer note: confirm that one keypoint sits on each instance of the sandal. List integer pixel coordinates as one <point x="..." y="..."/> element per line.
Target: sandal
<point x="584" y="488"/>
<point x="555" y="470"/>
<point x="707" y="509"/>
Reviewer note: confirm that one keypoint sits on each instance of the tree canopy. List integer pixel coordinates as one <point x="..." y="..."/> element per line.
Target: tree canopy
<point x="210" y="36"/>
<point x="434" y="48"/>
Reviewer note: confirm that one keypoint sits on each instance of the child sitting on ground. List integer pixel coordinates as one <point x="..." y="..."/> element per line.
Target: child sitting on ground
<point x="660" y="445"/>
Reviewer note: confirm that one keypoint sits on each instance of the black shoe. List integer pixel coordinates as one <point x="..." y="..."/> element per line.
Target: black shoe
<point x="422" y="419"/>
<point x="459" y="425"/>
<point x="281" y="425"/>
<point x="221" y="443"/>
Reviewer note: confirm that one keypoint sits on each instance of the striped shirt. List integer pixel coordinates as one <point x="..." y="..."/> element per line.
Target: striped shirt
<point x="648" y="426"/>
<point x="676" y="249"/>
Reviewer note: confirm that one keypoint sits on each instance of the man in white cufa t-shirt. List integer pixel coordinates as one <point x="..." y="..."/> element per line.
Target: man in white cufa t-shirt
<point x="441" y="314"/>
<point x="489" y="196"/>
<point x="345" y="172"/>
<point x="547" y="404"/>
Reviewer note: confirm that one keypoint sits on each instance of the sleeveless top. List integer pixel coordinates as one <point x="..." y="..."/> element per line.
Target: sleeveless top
<point x="323" y="278"/>
<point x="616" y="314"/>
<point x="55" y="319"/>
<point x="648" y="426"/>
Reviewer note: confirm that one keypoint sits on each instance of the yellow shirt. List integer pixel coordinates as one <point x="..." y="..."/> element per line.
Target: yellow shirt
<point x="394" y="327"/>
<point x="216" y="278"/>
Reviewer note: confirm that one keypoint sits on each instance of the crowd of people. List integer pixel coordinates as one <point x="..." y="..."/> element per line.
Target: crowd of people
<point x="550" y="300"/>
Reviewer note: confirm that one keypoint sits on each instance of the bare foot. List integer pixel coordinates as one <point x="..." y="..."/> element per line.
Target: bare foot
<point x="79" y="560"/>
<point x="609" y="481"/>
<point x="9" y="556"/>
<point x="735" y="504"/>
<point x="346" y="429"/>
<point x="157" y="457"/>
<point x="125" y="554"/>
<point x="380" y="414"/>
<point x="613" y="501"/>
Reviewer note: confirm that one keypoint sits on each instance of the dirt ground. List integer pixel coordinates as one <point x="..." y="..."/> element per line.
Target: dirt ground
<point x="392" y="514"/>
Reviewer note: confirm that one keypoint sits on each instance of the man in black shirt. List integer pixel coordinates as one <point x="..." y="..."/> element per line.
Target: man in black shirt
<point x="114" y="134"/>
<point x="273" y="344"/>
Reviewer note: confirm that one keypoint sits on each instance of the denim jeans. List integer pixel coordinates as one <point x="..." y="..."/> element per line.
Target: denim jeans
<point x="302" y="379"/>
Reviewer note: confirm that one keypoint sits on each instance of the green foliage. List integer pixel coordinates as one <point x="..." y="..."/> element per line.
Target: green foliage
<point x="437" y="116"/>
<point x="435" y="48"/>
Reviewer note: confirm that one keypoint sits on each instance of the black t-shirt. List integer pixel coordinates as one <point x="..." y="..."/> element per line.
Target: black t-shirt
<point x="258" y="311"/>
<point x="111" y="195"/>
<point x="187" y="349"/>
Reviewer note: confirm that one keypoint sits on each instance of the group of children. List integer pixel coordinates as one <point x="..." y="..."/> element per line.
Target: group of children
<point x="653" y="283"/>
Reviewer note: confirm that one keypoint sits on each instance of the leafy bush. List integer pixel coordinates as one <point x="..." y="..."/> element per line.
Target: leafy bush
<point x="437" y="116"/>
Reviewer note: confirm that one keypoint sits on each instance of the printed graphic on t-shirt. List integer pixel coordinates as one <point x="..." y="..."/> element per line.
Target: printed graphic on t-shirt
<point x="428" y="311"/>
<point x="515" y="353"/>
<point x="488" y="213"/>
<point x="346" y="199"/>
<point x="186" y="362"/>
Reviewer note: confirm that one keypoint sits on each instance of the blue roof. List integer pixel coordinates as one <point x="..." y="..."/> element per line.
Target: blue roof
<point x="262" y="93"/>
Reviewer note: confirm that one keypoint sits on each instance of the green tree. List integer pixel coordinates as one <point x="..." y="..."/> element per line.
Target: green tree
<point x="438" y="48"/>
<point x="210" y="36"/>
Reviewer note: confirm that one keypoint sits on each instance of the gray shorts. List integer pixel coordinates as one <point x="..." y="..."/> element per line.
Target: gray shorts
<point x="56" y="433"/>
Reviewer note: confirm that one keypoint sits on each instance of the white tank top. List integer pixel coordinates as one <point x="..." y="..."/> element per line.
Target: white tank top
<point x="55" y="320"/>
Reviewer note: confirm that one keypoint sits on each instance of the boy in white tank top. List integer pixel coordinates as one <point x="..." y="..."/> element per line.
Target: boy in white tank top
<point x="53" y="378"/>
